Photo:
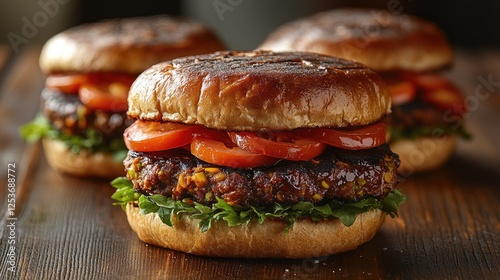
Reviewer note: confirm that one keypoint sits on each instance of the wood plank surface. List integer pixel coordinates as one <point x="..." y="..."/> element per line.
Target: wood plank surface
<point x="67" y="228"/>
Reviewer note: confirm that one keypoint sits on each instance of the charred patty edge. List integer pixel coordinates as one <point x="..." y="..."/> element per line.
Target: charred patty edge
<point x="69" y="115"/>
<point x="335" y="175"/>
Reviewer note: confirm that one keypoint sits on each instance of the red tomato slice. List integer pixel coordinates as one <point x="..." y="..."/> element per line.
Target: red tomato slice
<point x="437" y="90"/>
<point x="216" y="152"/>
<point x="364" y="137"/>
<point x="286" y="145"/>
<point x="446" y="98"/>
<point x="402" y="93"/>
<point x="66" y="83"/>
<point x="110" y="97"/>
<point x="106" y="91"/>
<point x="426" y="80"/>
<point x="154" y="136"/>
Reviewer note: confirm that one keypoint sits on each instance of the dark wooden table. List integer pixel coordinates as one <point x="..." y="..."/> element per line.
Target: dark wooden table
<point x="67" y="228"/>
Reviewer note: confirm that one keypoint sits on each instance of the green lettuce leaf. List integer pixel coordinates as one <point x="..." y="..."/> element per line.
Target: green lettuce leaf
<point x="415" y="132"/>
<point x="166" y="207"/>
<point x="35" y="130"/>
<point x="391" y="202"/>
<point x="40" y="127"/>
<point x="125" y="192"/>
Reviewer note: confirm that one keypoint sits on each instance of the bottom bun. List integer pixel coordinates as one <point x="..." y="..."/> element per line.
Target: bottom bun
<point x="60" y="158"/>
<point x="423" y="154"/>
<point x="268" y="240"/>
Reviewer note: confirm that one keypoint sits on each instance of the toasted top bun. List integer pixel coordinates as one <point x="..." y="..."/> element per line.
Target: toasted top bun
<point x="260" y="91"/>
<point x="376" y="38"/>
<point x="127" y="45"/>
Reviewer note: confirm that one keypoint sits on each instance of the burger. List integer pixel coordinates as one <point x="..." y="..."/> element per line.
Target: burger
<point x="410" y="54"/>
<point x="89" y="71"/>
<point x="258" y="155"/>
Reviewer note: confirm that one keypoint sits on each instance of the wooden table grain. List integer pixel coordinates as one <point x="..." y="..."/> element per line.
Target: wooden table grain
<point x="67" y="228"/>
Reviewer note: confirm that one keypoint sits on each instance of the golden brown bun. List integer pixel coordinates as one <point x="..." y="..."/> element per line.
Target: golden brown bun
<point x="376" y="38"/>
<point x="85" y="164"/>
<point x="260" y="91"/>
<point x="268" y="240"/>
<point x="127" y="45"/>
<point x="423" y="154"/>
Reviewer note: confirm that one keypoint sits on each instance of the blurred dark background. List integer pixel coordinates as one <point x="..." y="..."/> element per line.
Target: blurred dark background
<point x="243" y="24"/>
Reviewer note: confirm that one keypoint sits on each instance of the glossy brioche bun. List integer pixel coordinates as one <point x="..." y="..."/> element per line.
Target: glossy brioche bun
<point x="127" y="45"/>
<point x="268" y="240"/>
<point x="423" y="154"/>
<point x="260" y="91"/>
<point x="84" y="163"/>
<point x="377" y="38"/>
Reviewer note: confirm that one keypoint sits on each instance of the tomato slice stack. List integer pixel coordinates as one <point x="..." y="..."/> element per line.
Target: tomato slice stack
<point x="440" y="92"/>
<point x="249" y="149"/>
<point x="432" y="88"/>
<point x="98" y="91"/>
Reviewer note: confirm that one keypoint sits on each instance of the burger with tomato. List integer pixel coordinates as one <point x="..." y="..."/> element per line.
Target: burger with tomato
<point x="410" y="54"/>
<point x="258" y="155"/>
<point x="89" y="71"/>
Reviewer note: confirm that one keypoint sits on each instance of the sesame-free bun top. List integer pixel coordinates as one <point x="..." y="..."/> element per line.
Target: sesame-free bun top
<point x="257" y="91"/>
<point x="128" y="45"/>
<point x="381" y="40"/>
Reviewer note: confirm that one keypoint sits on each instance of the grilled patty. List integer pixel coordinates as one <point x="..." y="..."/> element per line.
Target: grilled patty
<point x="336" y="174"/>
<point x="67" y="114"/>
